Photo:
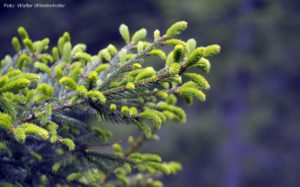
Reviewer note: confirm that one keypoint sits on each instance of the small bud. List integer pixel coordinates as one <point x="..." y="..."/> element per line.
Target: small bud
<point x="133" y="111"/>
<point x="5" y="121"/>
<point x="140" y="47"/>
<point x="45" y="89"/>
<point x="41" y="45"/>
<point x="191" y="45"/>
<point x="56" y="167"/>
<point x="212" y="50"/>
<point x="81" y="90"/>
<point x="113" y="107"/>
<point x="131" y="140"/>
<point x="68" y="82"/>
<point x="162" y="94"/>
<point x="192" y="91"/>
<point x="117" y="147"/>
<point x="139" y="35"/>
<point x="67" y="52"/>
<point x="129" y="86"/>
<point x="158" y="52"/>
<point x="123" y="29"/>
<point x="165" y="85"/>
<point x="104" y="54"/>
<point x="176" y="28"/>
<point x="156" y="34"/>
<point x="204" y="64"/>
<point x="137" y="65"/>
<point x="28" y="44"/>
<point x="58" y="71"/>
<point x="123" y="55"/>
<point x="84" y="56"/>
<point x="16" y="44"/>
<point x="175" y="42"/>
<point x="102" y="67"/>
<point x="198" y="79"/>
<point x="22" y="32"/>
<point x="67" y="36"/>
<point x="79" y="48"/>
<point x="55" y="54"/>
<point x="60" y="44"/>
<point x="95" y="95"/>
<point x="112" y="49"/>
<point x="174" y="69"/>
<point x="42" y="67"/>
<point x="19" y="134"/>
<point x="146" y="73"/>
<point x="178" y="53"/>
<point x="195" y="56"/>
<point x="23" y="59"/>
<point x="124" y="110"/>
<point x="171" y="99"/>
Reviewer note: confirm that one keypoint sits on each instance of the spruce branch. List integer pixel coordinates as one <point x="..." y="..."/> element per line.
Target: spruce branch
<point x="133" y="148"/>
<point x="46" y="97"/>
<point x="121" y="68"/>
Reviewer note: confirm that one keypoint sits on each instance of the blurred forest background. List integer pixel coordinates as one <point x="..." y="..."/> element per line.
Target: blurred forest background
<point x="247" y="134"/>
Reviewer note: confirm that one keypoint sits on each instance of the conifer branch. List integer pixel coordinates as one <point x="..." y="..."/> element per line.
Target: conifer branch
<point x="45" y="96"/>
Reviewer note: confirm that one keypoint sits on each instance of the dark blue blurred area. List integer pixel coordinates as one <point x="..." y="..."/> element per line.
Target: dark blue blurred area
<point x="247" y="134"/>
<point x="93" y="22"/>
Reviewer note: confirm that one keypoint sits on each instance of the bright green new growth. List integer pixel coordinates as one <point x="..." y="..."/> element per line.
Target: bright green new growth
<point x="43" y="67"/>
<point x="178" y="53"/>
<point x="15" y="86"/>
<point x="49" y="95"/>
<point x="176" y="29"/>
<point x="96" y="96"/>
<point x="5" y="121"/>
<point x="124" y="31"/>
<point x="16" y="44"/>
<point x="198" y="79"/>
<point x="69" y="143"/>
<point x="146" y="73"/>
<point x="32" y="129"/>
<point x="139" y="35"/>
<point x="68" y="82"/>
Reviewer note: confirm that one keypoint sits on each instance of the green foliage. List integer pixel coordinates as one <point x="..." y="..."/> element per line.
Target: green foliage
<point x="198" y="79"/>
<point x="16" y="44"/>
<point x="212" y="50"/>
<point x="124" y="31"/>
<point x="69" y="143"/>
<point x="178" y="53"/>
<point x="5" y="121"/>
<point x="43" y="67"/>
<point x="196" y="55"/>
<point x="95" y="95"/>
<point x="15" y="85"/>
<point x="32" y="129"/>
<point x="152" y="116"/>
<point x="139" y="35"/>
<point x="45" y="89"/>
<point x="46" y="97"/>
<point x="67" y="51"/>
<point x="176" y="28"/>
<point x="146" y="73"/>
<point x="194" y="92"/>
<point x="23" y="33"/>
<point x="68" y="82"/>
<point x="129" y="86"/>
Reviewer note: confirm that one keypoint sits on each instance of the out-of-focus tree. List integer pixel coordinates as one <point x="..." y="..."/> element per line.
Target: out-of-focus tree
<point x="253" y="140"/>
